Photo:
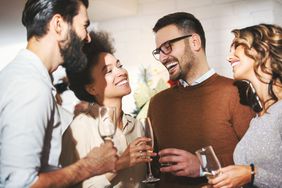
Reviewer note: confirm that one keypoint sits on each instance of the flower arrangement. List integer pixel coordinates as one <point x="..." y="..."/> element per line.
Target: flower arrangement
<point x="147" y="89"/>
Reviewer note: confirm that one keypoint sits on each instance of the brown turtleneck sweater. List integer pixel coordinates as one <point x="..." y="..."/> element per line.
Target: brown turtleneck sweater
<point x="196" y="116"/>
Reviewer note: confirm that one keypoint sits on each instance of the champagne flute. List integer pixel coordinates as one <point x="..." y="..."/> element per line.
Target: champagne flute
<point x="209" y="161"/>
<point x="107" y="122"/>
<point x="148" y="132"/>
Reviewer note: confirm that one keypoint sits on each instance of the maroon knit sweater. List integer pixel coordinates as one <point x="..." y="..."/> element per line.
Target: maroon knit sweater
<point x="197" y="116"/>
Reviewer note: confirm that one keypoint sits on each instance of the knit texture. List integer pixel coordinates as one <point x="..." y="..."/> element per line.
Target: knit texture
<point x="197" y="116"/>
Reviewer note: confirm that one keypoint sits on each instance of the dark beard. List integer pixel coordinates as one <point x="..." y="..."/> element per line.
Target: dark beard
<point x="185" y="67"/>
<point x="74" y="58"/>
<point x="177" y="76"/>
<point x="189" y="59"/>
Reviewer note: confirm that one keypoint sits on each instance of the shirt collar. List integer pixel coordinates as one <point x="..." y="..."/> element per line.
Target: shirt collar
<point x="38" y="64"/>
<point x="128" y="123"/>
<point x="199" y="80"/>
<point x="127" y="120"/>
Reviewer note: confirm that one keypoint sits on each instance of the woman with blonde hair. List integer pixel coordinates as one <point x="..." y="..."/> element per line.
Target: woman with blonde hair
<point x="256" y="57"/>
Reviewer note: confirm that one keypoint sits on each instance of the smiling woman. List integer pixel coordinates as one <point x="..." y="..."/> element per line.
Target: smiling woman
<point x="256" y="56"/>
<point x="110" y="80"/>
<point x="104" y="82"/>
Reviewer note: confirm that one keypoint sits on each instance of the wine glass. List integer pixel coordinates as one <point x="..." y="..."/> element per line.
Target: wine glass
<point x="107" y="122"/>
<point x="209" y="161"/>
<point x="148" y="132"/>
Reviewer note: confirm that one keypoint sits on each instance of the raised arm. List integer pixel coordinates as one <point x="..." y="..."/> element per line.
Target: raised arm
<point x="239" y="175"/>
<point x="31" y="142"/>
<point x="98" y="161"/>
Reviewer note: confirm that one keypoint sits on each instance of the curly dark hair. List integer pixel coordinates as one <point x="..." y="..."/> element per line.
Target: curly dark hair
<point x="100" y="43"/>
<point x="248" y="95"/>
<point x="266" y="40"/>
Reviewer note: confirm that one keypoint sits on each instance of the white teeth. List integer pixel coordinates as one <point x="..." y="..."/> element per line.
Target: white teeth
<point x="122" y="82"/>
<point x="235" y="63"/>
<point x="169" y="65"/>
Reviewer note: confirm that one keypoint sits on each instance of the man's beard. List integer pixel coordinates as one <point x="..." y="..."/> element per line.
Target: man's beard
<point x="176" y="75"/>
<point x="74" y="58"/>
<point x="186" y="63"/>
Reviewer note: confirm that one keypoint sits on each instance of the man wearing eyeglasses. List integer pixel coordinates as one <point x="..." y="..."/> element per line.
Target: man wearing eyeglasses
<point x="202" y="109"/>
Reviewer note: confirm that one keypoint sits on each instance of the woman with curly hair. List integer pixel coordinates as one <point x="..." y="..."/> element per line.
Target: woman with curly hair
<point x="104" y="82"/>
<point x="256" y="57"/>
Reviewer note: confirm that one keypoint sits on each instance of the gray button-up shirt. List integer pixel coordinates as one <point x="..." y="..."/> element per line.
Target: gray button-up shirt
<point x="30" y="127"/>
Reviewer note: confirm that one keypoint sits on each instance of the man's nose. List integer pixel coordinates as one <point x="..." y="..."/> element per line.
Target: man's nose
<point x="87" y="38"/>
<point x="163" y="57"/>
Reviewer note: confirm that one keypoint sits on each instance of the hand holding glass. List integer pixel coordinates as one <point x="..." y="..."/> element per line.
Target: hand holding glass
<point x="107" y="122"/>
<point x="148" y="132"/>
<point x="209" y="161"/>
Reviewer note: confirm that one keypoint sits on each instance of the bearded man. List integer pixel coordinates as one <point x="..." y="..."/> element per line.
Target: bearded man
<point x="202" y="109"/>
<point x="30" y="124"/>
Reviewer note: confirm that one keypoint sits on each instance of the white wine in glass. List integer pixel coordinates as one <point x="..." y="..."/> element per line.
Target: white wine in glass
<point x="209" y="161"/>
<point x="107" y="122"/>
<point x="148" y="132"/>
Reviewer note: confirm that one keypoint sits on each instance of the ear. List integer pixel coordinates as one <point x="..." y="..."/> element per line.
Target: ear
<point x="195" y="42"/>
<point x="59" y="27"/>
<point x="91" y="89"/>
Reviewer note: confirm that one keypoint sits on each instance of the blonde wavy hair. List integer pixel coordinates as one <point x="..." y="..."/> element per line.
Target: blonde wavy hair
<point x="266" y="40"/>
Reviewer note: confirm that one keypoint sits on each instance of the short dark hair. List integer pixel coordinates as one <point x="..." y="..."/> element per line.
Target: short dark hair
<point x="38" y="13"/>
<point x="183" y="21"/>
<point x="100" y="43"/>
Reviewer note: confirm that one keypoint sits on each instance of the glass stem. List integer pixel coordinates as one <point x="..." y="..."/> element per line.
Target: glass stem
<point x="150" y="170"/>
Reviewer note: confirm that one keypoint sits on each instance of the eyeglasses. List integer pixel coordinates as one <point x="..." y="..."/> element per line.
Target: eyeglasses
<point x="166" y="48"/>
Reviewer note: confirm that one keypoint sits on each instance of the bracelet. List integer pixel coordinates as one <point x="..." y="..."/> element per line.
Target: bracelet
<point x="252" y="173"/>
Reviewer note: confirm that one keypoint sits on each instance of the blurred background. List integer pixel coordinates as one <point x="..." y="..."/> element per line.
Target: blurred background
<point x="130" y="23"/>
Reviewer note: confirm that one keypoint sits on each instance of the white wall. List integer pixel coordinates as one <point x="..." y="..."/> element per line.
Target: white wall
<point x="277" y="12"/>
<point x="134" y="39"/>
<point x="12" y="32"/>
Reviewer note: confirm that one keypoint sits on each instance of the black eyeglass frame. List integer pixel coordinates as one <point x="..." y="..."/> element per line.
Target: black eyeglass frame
<point x="158" y="50"/>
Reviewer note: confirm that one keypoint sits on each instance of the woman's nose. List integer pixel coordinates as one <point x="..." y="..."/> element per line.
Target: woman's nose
<point x="120" y="71"/>
<point x="229" y="58"/>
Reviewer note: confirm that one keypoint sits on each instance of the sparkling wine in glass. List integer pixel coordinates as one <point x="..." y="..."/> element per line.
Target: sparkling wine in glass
<point x="148" y="132"/>
<point x="209" y="161"/>
<point x="107" y="122"/>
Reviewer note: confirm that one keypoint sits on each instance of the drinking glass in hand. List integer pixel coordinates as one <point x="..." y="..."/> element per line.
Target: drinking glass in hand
<point x="209" y="161"/>
<point x="148" y="132"/>
<point x="107" y="122"/>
